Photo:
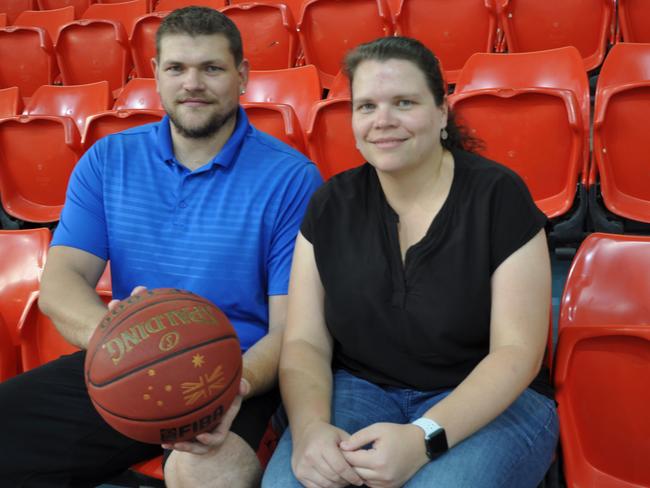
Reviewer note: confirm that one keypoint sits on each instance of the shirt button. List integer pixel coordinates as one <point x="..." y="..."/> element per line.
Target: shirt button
<point x="183" y="204"/>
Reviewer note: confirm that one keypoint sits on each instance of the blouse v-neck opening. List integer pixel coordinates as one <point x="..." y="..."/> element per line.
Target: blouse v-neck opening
<point x="391" y="219"/>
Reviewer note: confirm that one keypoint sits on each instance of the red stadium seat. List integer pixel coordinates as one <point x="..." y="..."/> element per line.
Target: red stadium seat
<point x="621" y="152"/>
<point x="22" y="257"/>
<point x="77" y="101"/>
<point x="104" y="285"/>
<point x="94" y="50"/>
<point x="531" y="25"/>
<point x="452" y="30"/>
<point x="139" y="93"/>
<point x="112" y="121"/>
<point x="10" y="102"/>
<point x="9" y="362"/>
<point x="602" y="364"/>
<point x="13" y="8"/>
<point x="167" y="5"/>
<point x="27" y="58"/>
<point x="299" y="87"/>
<point x="294" y="5"/>
<point x="268" y="33"/>
<point x="151" y="468"/>
<point x="148" y="3"/>
<point x="330" y="141"/>
<point x="329" y="28"/>
<point x="37" y="154"/>
<point x="124" y="12"/>
<point x="340" y="87"/>
<point x="40" y="341"/>
<point x="80" y="6"/>
<point x="634" y="20"/>
<point x="3" y="19"/>
<point x="532" y="112"/>
<point x="143" y="42"/>
<point x="277" y="119"/>
<point x="50" y="20"/>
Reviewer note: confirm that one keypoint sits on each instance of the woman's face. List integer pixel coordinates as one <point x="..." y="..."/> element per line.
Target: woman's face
<point x="395" y="120"/>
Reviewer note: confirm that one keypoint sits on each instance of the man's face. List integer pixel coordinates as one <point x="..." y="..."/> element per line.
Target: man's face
<point x="199" y="83"/>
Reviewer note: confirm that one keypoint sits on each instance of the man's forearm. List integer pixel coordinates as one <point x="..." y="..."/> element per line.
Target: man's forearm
<point x="73" y="306"/>
<point x="261" y="363"/>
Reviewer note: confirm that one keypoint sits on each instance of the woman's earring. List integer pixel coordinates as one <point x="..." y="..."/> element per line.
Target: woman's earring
<point x="444" y="134"/>
<point x="242" y="91"/>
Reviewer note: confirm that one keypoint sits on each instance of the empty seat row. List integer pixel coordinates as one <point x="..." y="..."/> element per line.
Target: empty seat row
<point x="325" y="29"/>
<point x="12" y="9"/>
<point x="533" y="120"/>
<point x="94" y="49"/>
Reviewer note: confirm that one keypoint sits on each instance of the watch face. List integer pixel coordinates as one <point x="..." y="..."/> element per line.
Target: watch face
<point x="436" y="443"/>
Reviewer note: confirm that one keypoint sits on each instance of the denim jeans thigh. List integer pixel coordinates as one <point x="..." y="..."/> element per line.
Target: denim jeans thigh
<point x="356" y="404"/>
<point x="514" y="450"/>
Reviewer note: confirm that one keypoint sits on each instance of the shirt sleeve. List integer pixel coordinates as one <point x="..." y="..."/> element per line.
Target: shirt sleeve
<point x="296" y="199"/>
<point x="515" y="219"/>
<point x="83" y="224"/>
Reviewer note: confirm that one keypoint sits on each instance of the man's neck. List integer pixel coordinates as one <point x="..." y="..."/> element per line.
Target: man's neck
<point x="196" y="152"/>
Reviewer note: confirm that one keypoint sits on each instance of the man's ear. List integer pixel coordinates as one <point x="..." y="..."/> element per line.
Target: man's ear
<point x="154" y="66"/>
<point x="243" y="69"/>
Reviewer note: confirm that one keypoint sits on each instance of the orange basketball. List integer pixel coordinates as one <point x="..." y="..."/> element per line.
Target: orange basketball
<point x="163" y="366"/>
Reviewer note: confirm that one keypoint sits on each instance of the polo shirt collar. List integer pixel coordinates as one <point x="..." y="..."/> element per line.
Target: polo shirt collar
<point x="224" y="158"/>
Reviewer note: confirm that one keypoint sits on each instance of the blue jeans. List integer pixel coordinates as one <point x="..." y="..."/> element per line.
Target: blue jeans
<point x="514" y="450"/>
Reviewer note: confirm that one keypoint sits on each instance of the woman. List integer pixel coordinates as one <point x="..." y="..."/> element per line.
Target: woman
<point x="418" y="307"/>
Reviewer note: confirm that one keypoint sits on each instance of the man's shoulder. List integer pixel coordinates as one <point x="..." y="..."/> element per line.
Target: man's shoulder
<point x="268" y="151"/>
<point x="145" y="135"/>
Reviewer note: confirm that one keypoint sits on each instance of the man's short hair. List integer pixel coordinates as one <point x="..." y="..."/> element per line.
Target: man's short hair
<point x="201" y="21"/>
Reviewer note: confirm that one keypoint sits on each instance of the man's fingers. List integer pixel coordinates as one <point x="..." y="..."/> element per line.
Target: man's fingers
<point x="138" y="289"/>
<point x="244" y="387"/>
<point x="191" y="447"/>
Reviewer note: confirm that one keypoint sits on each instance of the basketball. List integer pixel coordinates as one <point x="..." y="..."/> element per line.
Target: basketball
<point x="163" y="366"/>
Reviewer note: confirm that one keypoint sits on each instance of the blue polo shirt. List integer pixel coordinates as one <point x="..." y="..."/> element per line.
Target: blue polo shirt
<point x="225" y="231"/>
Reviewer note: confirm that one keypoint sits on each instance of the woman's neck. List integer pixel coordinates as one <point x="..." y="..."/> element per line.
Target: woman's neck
<point x="417" y="186"/>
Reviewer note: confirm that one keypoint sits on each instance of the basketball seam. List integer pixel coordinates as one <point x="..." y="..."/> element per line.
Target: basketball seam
<point x="133" y="312"/>
<point x="97" y="404"/>
<point x="147" y="365"/>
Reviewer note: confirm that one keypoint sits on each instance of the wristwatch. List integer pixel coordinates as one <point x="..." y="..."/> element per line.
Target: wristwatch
<point x="435" y="439"/>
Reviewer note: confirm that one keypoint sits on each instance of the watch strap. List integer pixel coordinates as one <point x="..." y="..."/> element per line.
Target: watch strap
<point x="427" y="425"/>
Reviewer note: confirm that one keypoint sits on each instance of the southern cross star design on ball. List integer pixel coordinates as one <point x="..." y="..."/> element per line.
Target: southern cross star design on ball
<point x="198" y="360"/>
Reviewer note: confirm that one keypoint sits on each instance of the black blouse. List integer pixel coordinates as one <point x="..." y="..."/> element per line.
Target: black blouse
<point x="424" y="324"/>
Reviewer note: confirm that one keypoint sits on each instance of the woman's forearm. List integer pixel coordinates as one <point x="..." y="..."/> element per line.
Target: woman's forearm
<point x="306" y="384"/>
<point x="490" y="388"/>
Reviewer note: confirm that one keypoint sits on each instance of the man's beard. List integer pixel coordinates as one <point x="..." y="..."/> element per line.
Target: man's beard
<point x="210" y="128"/>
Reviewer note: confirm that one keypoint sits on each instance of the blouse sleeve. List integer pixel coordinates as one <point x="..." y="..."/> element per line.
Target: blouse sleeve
<point x="515" y="219"/>
<point x="314" y="209"/>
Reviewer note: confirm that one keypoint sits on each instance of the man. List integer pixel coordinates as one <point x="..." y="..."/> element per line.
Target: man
<point x="200" y="201"/>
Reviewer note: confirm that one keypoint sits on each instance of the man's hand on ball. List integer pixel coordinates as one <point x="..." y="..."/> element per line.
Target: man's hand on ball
<point x="113" y="303"/>
<point x="210" y="441"/>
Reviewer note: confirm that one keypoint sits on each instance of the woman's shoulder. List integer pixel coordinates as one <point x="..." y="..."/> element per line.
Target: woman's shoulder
<point x="481" y="172"/>
<point x="345" y="186"/>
